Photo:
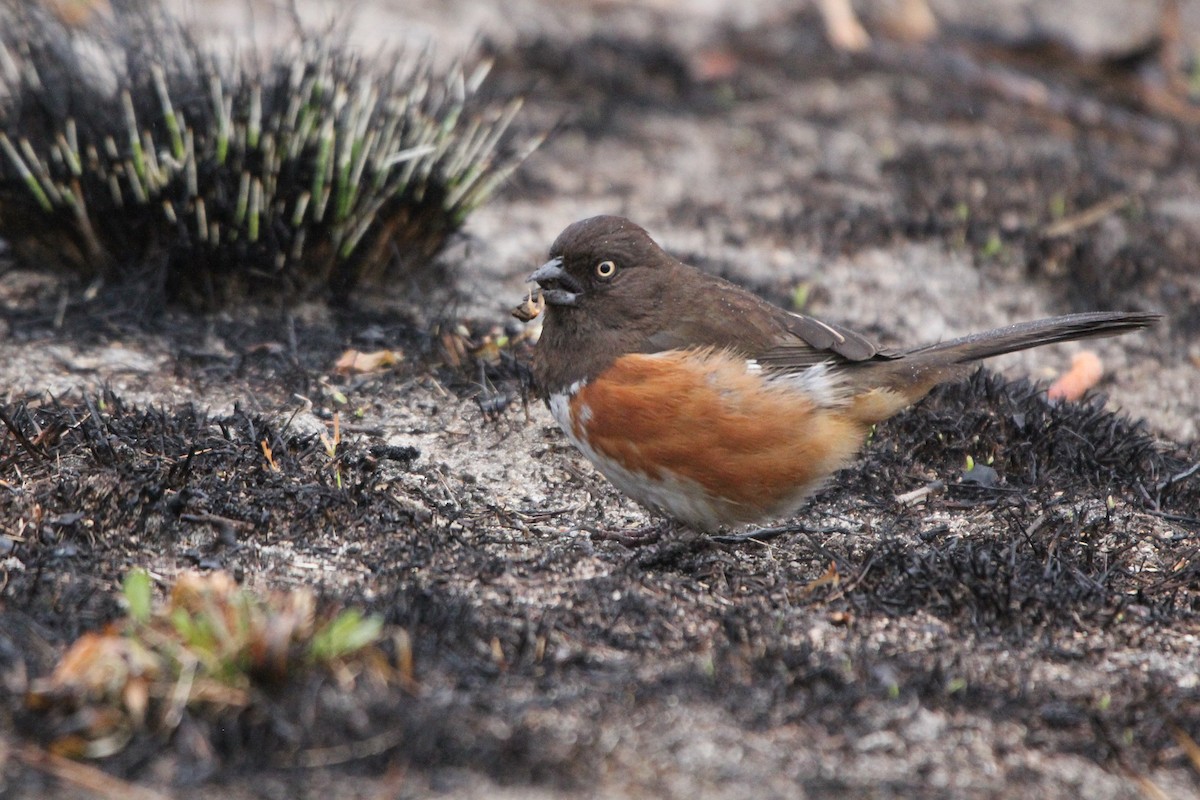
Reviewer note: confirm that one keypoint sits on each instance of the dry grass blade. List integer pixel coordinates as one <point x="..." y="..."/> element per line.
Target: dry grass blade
<point x="1189" y="746"/>
<point x="84" y="776"/>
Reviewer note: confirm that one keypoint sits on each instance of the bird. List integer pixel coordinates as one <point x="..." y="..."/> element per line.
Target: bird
<point x="713" y="407"/>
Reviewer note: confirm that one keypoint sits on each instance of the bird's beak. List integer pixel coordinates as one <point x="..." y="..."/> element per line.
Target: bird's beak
<point x="559" y="288"/>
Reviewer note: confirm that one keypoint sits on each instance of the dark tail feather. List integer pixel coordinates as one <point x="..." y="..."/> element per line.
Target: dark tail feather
<point x="1025" y="335"/>
<point x="908" y="376"/>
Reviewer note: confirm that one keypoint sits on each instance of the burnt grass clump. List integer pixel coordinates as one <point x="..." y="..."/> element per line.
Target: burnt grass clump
<point x="105" y="482"/>
<point x="1052" y="477"/>
<point x="501" y="680"/>
<point x="156" y="477"/>
<point x="134" y="153"/>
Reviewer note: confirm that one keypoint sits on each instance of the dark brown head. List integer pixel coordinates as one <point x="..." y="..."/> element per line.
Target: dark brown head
<point x="608" y="287"/>
<point x="610" y="291"/>
<point x="596" y="259"/>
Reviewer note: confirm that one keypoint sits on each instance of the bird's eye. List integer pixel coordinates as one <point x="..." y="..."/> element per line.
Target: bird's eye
<point x="606" y="269"/>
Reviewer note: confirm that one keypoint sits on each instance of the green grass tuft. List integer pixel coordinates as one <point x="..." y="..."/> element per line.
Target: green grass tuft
<point x="132" y="153"/>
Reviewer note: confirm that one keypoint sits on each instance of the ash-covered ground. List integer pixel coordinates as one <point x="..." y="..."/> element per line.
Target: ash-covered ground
<point x="1031" y="635"/>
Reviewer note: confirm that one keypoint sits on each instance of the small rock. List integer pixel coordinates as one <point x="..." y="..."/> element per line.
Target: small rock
<point x="981" y="475"/>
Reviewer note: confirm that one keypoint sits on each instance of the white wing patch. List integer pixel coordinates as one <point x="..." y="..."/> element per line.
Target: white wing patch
<point x="820" y="383"/>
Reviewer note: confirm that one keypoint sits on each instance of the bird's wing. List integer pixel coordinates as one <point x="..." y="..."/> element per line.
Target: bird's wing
<point x="725" y="316"/>
<point x="809" y="341"/>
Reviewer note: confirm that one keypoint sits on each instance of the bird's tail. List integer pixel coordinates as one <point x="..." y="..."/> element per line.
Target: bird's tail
<point x="909" y="377"/>
<point x="1025" y="335"/>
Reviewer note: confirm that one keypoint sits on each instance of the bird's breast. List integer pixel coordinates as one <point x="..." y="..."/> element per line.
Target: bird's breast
<point x="706" y="436"/>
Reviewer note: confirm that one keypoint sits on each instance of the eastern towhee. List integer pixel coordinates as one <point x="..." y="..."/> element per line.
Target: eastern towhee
<point x="706" y="403"/>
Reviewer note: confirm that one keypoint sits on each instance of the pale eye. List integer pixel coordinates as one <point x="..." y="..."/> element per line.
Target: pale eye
<point x="606" y="269"/>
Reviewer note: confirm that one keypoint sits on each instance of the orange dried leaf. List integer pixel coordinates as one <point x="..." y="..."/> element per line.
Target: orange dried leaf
<point x="829" y="578"/>
<point x="196" y="593"/>
<point x="76" y="13"/>
<point x="266" y="449"/>
<point x="842" y="27"/>
<point x="1086" y="371"/>
<point x="715" y="64"/>
<point x="356" y="362"/>
<point x="97" y="666"/>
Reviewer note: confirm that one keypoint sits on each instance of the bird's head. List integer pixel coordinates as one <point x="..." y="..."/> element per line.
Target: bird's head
<point x="608" y="288"/>
<point x="605" y="266"/>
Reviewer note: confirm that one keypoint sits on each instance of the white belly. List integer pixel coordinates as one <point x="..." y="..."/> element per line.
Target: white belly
<point x="677" y="497"/>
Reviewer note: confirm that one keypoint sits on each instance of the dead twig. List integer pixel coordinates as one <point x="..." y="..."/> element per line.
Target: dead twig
<point x="85" y="776"/>
<point x="344" y="753"/>
<point x="1179" y="477"/>
<point x="916" y="495"/>
<point x="1085" y="218"/>
<point x="29" y="446"/>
